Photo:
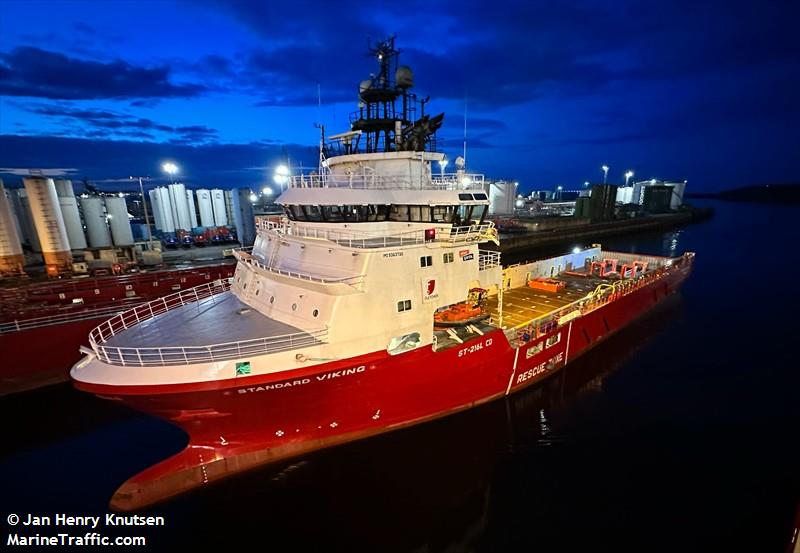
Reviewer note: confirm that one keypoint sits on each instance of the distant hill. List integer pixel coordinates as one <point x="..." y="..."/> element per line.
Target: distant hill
<point x="763" y="193"/>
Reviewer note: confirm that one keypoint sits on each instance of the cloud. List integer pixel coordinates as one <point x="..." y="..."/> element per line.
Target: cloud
<point x="217" y="164"/>
<point x="106" y="123"/>
<point x="33" y="72"/>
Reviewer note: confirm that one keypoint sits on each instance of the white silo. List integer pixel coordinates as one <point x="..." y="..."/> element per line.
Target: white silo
<point x="502" y="195"/>
<point x="192" y="209"/>
<point x="118" y="221"/>
<point x="218" y="203"/>
<point x="204" y="205"/>
<point x="11" y="258"/>
<point x="678" y="189"/>
<point x="96" y="225"/>
<point x="177" y="193"/>
<point x="155" y="209"/>
<point x="72" y="217"/>
<point x="167" y="210"/>
<point x="22" y="208"/>
<point x="49" y="224"/>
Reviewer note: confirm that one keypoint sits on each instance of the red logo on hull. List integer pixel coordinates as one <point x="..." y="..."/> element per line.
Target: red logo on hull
<point x="431" y="286"/>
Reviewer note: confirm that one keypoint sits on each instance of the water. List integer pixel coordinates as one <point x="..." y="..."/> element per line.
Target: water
<point x="680" y="433"/>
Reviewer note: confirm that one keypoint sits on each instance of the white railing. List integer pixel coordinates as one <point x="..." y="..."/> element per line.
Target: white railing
<point x="58" y="318"/>
<point x="401" y="181"/>
<point x="380" y="239"/>
<point x="246" y="257"/>
<point x="488" y="259"/>
<point x="183" y="355"/>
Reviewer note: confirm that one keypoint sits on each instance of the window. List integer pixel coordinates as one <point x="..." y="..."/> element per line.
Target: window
<point x="447" y="257"/>
<point x="553" y="340"/>
<point x="426" y="261"/>
<point x="315" y="313"/>
<point x="534" y="349"/>
<point x="404" y="305"/>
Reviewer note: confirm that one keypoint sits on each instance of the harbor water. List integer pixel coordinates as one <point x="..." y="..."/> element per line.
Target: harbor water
<point x="679" y="433"/>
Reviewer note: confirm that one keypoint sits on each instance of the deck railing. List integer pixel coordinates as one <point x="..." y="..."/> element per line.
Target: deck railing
<point x="183" y="355"/>
<point x="488" y="259"/>
<point x="353" y="238"/>
<point x="400" y="181"/>
<point x="58" y="318"/>
<point x="248" y="258"/>
<point x="603" y="294"/>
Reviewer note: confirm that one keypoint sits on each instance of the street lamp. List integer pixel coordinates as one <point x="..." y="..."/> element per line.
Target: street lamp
<point x="281" y="176"/>
<point x="442" y="164"/>
<point x="253" y="198"/>
<point x="605" y="173"/>
<point x="628" y="175"/>
<point x="267" y="191"/>
<point x="559" y="191"/>
<point x="171" y="169"/>
<point x="586" y="184"/>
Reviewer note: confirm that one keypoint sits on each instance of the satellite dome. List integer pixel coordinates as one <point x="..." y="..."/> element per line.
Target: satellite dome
<point x="404" y="77"/>
<point x="365" y="85"/>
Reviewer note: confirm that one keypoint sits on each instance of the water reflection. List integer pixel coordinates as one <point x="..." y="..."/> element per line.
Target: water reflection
<point x="426" y="488"/>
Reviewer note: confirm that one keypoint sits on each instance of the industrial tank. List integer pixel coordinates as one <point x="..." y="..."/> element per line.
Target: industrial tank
<point x="22" y="208"/>
<point x="192" y="209"/>
<point x="162" y="209"/>
<point x="502" y="195"/>
<point x="11" y="258"/>
<point x="72" y="217"/>
<point x="119" y="221"/>
<point x="206" y="210"/>
<point x="218" y="203"/>
<point x="95" y="218"/>
<point x="243" y="216"/>
<point x="180" y="208"/>
<point x="49" y="224"/>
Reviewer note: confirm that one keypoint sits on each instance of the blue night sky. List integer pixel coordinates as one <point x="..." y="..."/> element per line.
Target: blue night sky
<point x="704" y="91"/>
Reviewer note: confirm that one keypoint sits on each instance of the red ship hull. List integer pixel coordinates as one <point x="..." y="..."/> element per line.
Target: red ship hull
<point x="47" y="341"/>
<point x="241" y="423"/>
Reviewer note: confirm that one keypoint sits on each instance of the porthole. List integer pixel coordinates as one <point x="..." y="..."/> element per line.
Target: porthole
<point x="315" y="312"/>
<point x="272" y="299"/>
<point x="294" y="307"/>
<point x="258" y="291"/>
<point x="244" y="286"/>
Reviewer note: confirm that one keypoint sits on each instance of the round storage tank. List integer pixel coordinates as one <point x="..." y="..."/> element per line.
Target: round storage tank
<point x="49" y="224"/>
<point x="96" y="226"/>
<point x="71" y="214"/>
<point x="118" y="221"/>
<point x="204" y="205"/>
<point x="220" y="211"/>
<point x="11" y="258"/>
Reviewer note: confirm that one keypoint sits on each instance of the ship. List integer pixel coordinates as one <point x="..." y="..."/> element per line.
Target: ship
<point x="342" y="321"/>
<point x="61" y="313"/>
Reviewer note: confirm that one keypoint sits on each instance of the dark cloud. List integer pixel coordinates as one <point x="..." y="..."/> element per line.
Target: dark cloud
<point x="33" y="72"/>
<point x="224" y="165"/>
<point x="105" y="123"/>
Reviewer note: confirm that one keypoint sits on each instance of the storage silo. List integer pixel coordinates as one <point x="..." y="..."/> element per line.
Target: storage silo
<point x="72" y="217"/>
<point x="218" y="203"/>
<point x="118" y="221"/>
<point x="49" y="224"/>
<point x="502" y="196"/>
<point x="206" y="210"/>
<point x="243" y="216"/>
<point x="678" y="189"/>
<point x="229" y="212"/>
<point x="180" y="208"/>
<point x="96" y="225"/>
<point x="23" y="210"/>
<point x="11" y="258"/>
<point x="192" y="209"/>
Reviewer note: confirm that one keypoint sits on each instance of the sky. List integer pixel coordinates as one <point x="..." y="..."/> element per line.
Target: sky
<point x="227" y="89"/>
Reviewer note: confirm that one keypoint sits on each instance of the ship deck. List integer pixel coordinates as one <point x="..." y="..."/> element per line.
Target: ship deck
<point x="523" y="303"/>
<point x="217" y="319"/>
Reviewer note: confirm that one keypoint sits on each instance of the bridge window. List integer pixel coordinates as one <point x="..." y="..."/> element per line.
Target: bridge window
<point x="426" y="261"/>
<point x="404" y="305"/>
<point x="447" y="257"/>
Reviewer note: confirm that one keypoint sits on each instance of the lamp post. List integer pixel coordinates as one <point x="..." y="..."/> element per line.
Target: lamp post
<point x="171" y="169"/>
<point x="605" y="173"/>
<point x="146" y="215"/>
<point x="559" y="191"/>
<point x="281" y="176"/>
<point x="628" y="176"/>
